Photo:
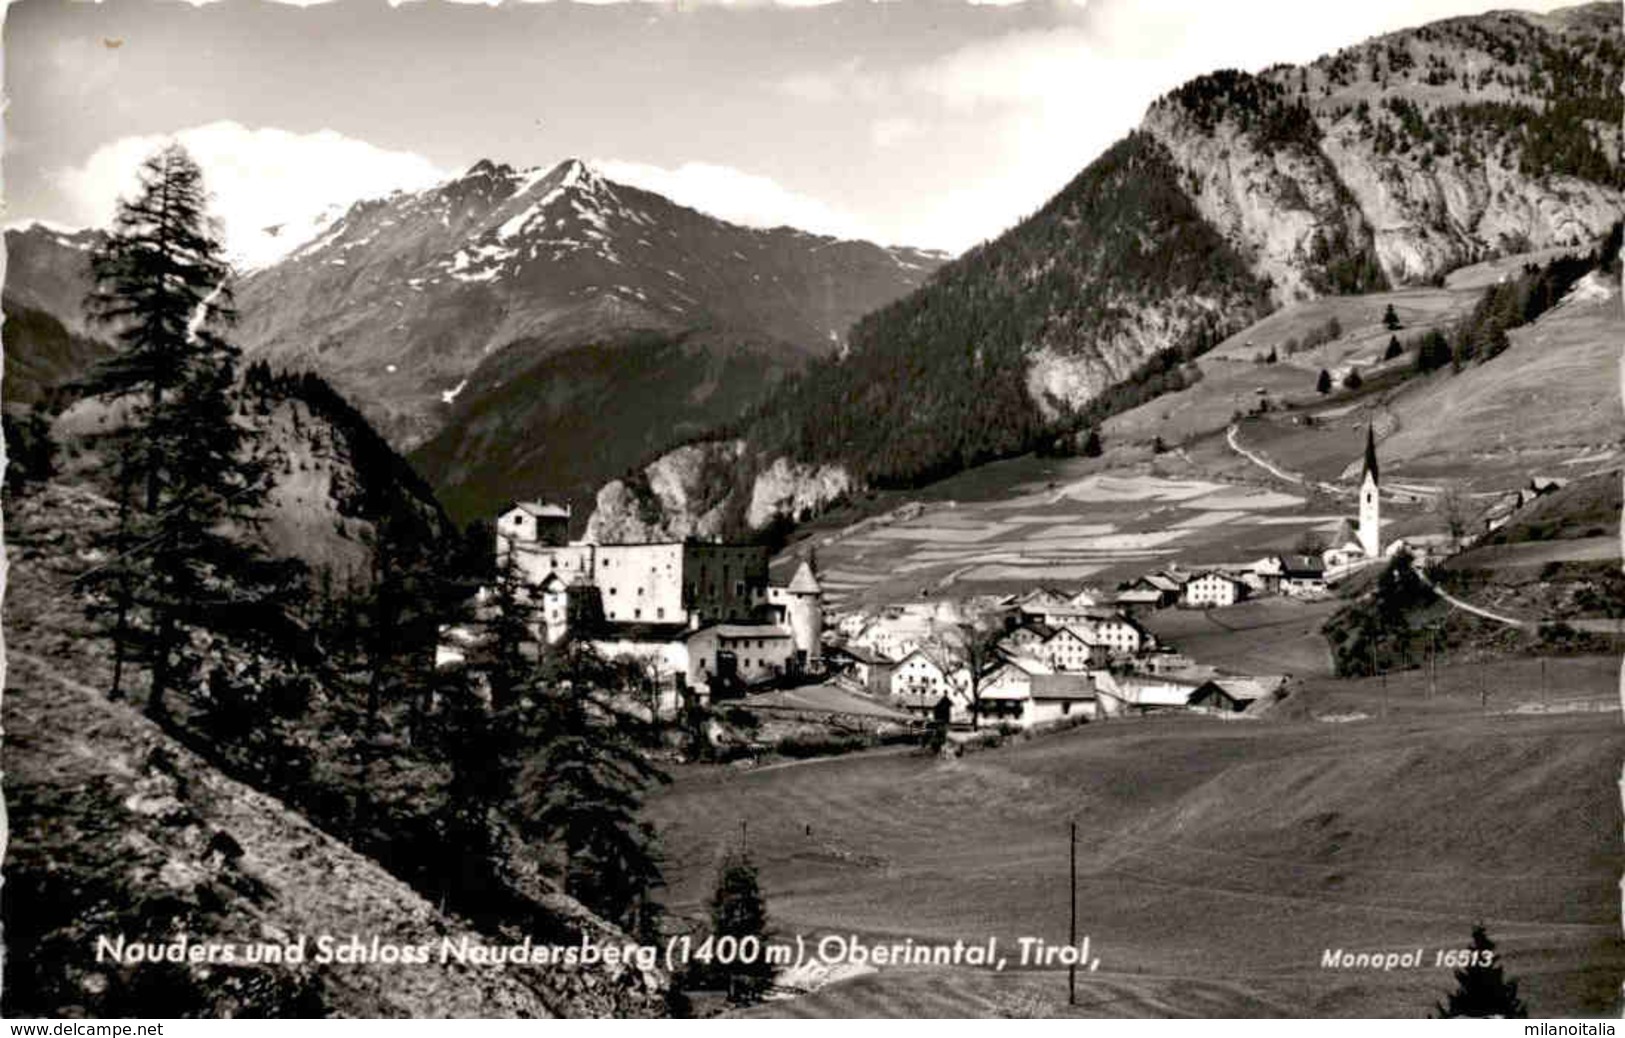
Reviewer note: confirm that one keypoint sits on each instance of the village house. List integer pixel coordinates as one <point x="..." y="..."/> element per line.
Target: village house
<point x="1006" y="689"/>
<point x="867" y="670"/>
<point x="1121" y="636"/>
<point x="1027" y="638"/>
<point x="1055" y="608"/>
<point x="1067" y="650"/>
<point x="894" y="635"/>
<point x="1302" y="576"/>
<point x="924" y="676"/>
<point x="1213" y="589"/>
<point x="1166" y="587"/>
<point x="1264" y="576"/>
<point x="1024" y="691"/>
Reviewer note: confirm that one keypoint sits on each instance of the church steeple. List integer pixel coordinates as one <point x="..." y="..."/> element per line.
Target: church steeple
<point x="1370" y="531"/>
<point x="1370" y="456"/>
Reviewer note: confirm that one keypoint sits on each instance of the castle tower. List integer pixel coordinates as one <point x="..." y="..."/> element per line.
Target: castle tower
<point x="1370" y="531"/>
<point x="807" y="614"/>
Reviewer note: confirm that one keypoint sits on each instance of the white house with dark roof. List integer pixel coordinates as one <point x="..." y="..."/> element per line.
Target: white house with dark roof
<point x="1212" y="589"/>
<point x="924" y="676"/>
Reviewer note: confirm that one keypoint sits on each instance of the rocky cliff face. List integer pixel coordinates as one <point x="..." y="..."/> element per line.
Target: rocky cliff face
<point x="333" y="478"/>
<point x="713" y="489"/>
<point x="1430" y="221"/>
<point x="1277" y="199"/>
<point x="1423" y="150"/>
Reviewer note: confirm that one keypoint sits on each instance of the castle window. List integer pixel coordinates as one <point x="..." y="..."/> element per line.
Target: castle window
<point x="637" y="614"/>
<point x="660" y="613"/>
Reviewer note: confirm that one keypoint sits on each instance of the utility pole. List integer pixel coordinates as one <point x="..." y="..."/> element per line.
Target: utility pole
<point x="1072" y="927"/>
<point x="744" y="842"/>
<point x="1433" y="674"/>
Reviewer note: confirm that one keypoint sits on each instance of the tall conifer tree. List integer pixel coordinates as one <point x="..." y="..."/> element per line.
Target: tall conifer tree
<point x="194" y="480"/>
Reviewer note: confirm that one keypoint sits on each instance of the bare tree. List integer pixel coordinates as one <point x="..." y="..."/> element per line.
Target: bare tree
<point x="1454" y="507"/>
<point x="973" y="642"/>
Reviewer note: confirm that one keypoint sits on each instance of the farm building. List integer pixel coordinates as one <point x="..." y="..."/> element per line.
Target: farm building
<point x="1055" y="696"/>
<point x="1233" y="694"/>
<point x="1166" y="587"/>
<point x="1137" y="599"/>
<point x="1122" y="694"/>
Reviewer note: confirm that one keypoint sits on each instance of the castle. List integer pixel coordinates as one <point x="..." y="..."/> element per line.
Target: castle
<point x="697" y="613"/>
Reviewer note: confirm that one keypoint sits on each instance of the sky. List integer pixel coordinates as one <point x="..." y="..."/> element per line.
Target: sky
<point x="936" y="123"/>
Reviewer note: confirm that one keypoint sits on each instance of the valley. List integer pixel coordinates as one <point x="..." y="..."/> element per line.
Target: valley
<point x="531" y="555"/>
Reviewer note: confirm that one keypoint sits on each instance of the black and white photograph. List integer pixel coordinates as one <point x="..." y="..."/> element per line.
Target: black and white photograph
<point x="813" y="509"/>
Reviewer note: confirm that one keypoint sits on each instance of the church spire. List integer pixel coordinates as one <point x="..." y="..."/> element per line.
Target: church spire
<point x="1370" y="455"/>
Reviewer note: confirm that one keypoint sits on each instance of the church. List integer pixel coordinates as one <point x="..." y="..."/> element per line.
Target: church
<point x="1357" y="544"/>
<point x="700" y="614"/>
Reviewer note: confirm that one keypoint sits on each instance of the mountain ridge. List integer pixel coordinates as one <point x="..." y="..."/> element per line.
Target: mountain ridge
<point x="1387" y="163"/>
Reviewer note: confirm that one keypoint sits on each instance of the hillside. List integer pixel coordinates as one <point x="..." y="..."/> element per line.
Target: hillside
<point x="1216" y="862"/>
<point x="1377" y="167"/>
<point x="48" y="270"/>
<point x="116" y="827"/>
<point x="334" y="479"/>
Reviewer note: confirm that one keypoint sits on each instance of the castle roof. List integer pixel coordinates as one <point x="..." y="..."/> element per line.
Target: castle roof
<point x="1370" y="456"/>
<point x="805" y="582"/>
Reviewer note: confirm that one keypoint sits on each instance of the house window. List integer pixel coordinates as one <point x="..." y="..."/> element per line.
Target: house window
<point x="637" y="614"/>
<point x="660" y="614"/>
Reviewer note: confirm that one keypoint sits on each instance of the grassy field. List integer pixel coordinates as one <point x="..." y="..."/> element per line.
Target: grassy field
<point x="1217" y="860"/>
<point x="1268" y="636"/>
<point x="1549" y="404"/>
<point x="1556" y="387"/>
<point x="1082" y="525"/>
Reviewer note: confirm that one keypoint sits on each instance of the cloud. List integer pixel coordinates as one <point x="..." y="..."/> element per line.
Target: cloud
<point x="892" y="131"/>
<point x="259" y="179"/>
<point x="736" y="196"/>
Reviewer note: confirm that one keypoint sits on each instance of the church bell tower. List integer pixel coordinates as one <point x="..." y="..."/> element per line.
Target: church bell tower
<point x="1370" y="532"/>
